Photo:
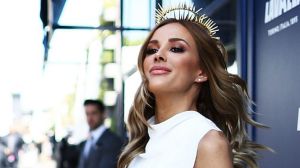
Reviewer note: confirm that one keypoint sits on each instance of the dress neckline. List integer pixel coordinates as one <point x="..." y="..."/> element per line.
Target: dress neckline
<point x="161" y="127"/>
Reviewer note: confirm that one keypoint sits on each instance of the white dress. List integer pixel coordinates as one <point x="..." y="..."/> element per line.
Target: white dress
<point x="174" y="142"/>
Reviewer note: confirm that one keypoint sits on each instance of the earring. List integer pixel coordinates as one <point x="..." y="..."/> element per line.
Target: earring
<point x="199" y="79"/>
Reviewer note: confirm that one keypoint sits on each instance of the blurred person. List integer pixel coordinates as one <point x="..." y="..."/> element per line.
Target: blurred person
<point x="102" y="148"/>
<point x="189" y="111"/>
<point x="2" y="154"/>
<point x="11" y="146"/>
<point x="52" y="140"/>
<point x="67" y="155"/>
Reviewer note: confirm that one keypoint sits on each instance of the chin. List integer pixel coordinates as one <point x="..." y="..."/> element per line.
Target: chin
<point x="92" y="127"/>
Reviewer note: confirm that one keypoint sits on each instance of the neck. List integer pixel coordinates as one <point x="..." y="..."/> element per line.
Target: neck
<point x="94" y="128"/>
<point x="168" y="105"/>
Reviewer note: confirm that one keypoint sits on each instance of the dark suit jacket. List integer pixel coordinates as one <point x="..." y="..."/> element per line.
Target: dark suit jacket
<point x="104" y="154"/>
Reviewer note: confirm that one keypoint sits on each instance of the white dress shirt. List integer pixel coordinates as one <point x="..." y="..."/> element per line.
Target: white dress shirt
<point x="94" y="136"/>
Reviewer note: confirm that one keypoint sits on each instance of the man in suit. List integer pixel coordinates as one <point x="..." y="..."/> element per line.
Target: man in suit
<point x="102" y="148"/>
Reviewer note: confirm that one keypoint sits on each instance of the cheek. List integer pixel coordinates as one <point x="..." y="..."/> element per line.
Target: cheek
<point x="189" y="68"/>
<point x="188" y="64"/>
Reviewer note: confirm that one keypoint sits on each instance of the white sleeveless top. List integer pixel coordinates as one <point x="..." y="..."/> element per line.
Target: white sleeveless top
<point x="173" y="143"/>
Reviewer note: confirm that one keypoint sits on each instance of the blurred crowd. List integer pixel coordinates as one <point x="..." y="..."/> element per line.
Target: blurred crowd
<point x="101" y="148"/>
<point x="17" y="153"/>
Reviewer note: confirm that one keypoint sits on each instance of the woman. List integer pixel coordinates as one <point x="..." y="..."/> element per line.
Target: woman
<point x="188" y="111"/>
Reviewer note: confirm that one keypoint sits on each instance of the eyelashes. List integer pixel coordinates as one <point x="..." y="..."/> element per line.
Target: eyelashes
<point x="177" y="49"/>
<point x="150" y="51"/>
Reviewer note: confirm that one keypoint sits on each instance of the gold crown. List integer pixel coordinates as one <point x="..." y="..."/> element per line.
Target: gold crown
<point x="186" y="12"/>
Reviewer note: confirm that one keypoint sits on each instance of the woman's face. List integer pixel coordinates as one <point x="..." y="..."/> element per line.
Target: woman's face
<point x="171" y="63"/>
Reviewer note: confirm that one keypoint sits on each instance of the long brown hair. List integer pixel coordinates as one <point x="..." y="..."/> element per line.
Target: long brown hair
<point x="223" y="99"/>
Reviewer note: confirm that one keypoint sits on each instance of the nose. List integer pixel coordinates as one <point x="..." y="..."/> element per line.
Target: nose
<point x="159" y="57"/>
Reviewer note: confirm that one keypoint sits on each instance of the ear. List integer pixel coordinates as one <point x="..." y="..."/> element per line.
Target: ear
<point x="202" y="77"/>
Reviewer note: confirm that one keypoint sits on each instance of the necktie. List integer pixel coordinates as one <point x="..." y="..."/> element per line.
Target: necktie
<point x="88" y="146"/>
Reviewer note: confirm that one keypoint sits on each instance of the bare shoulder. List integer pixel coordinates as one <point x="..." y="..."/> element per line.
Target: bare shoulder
<point x="214" y="151"/>
<point x="214" y="140"/>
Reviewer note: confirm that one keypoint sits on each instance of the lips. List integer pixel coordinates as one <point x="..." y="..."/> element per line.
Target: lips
<point x="159" y="70"/>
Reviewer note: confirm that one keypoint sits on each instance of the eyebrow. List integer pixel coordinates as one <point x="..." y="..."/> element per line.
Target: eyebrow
<point x="170" y="40"/>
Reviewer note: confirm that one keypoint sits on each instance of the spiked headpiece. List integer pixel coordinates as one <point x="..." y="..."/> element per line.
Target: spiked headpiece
<point x="186" y="12"/>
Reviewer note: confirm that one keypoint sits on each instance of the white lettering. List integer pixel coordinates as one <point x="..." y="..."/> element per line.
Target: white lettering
<point x="295" y="3"/>
<point x="273" y="30"/>
<point x="267" y="13"/>
<point x="284" y="25"/>
<point x="288" y="5"/>
<point x="282" y="6"/>
<point x="294" y="20"/>
<point x="271" y="10"/>
<point x="275" y="8"/>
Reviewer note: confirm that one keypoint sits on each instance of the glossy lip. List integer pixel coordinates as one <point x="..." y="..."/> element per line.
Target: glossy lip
<point x="159" y="70"/>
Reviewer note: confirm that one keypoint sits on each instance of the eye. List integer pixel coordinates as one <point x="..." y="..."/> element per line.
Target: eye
<point x="151" y="51"/>
<point x="177" y="49"/>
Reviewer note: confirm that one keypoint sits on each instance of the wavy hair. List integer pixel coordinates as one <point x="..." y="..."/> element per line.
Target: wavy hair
<point x="223" y="99"/>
